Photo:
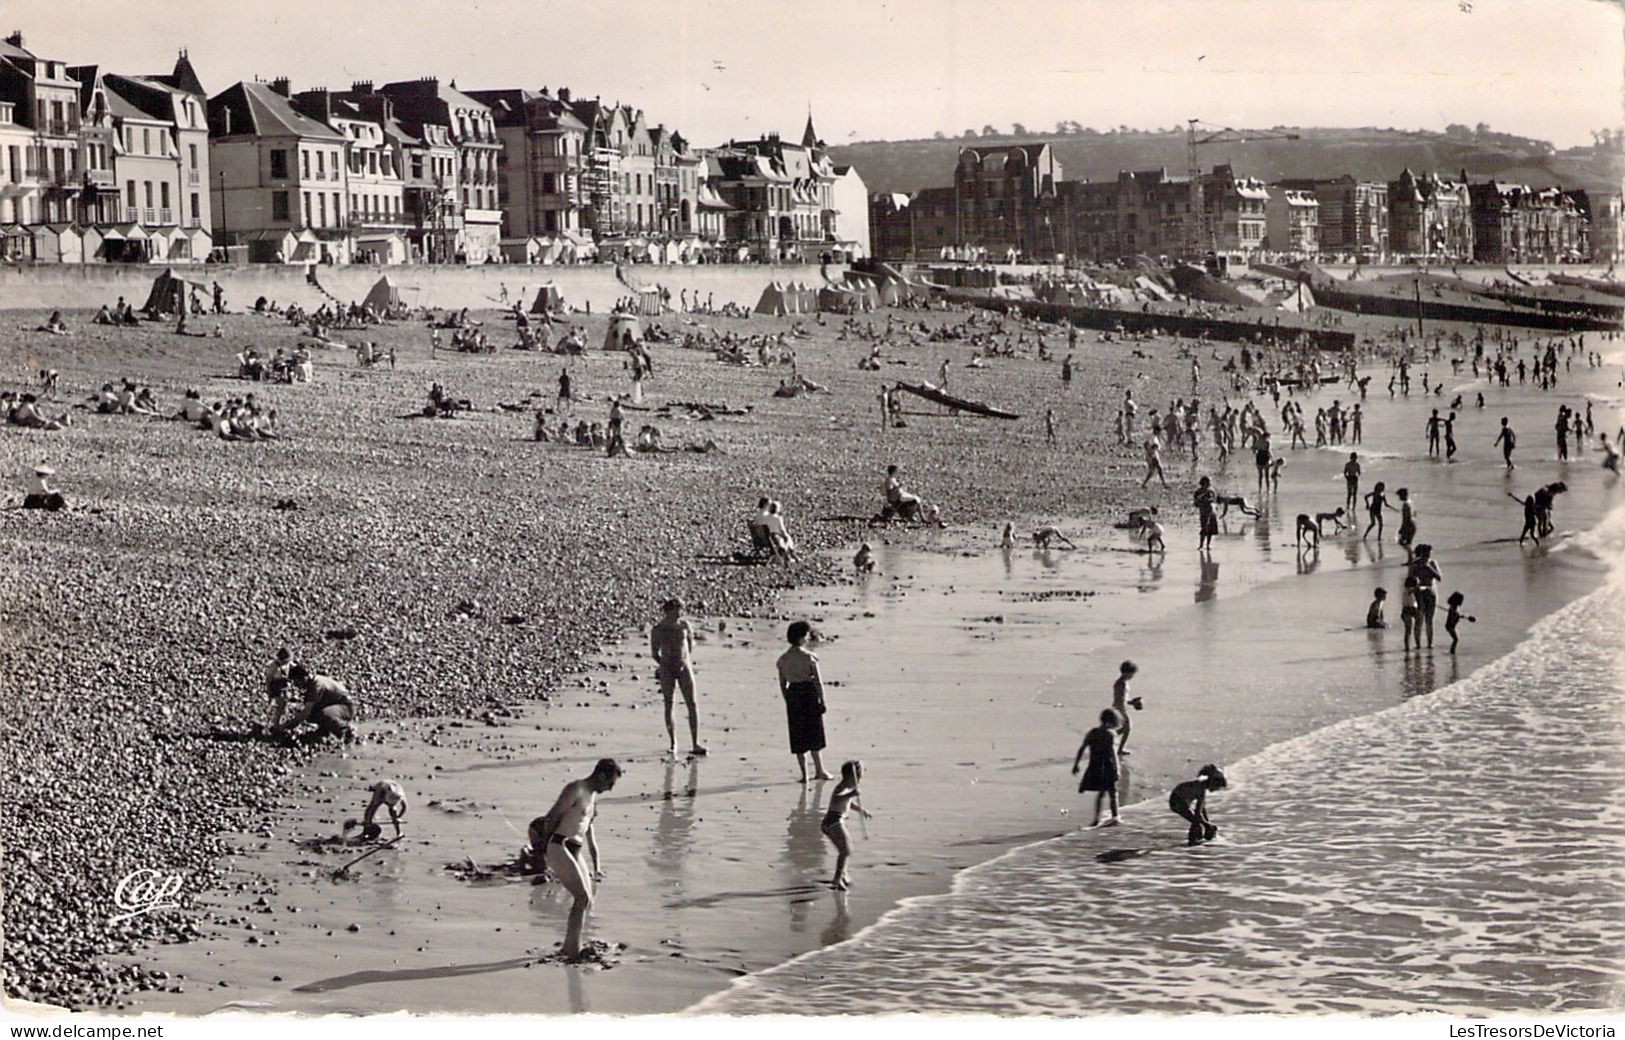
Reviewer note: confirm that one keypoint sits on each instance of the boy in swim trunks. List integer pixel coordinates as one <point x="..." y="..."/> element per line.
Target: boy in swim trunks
<point x="671" y="641"/>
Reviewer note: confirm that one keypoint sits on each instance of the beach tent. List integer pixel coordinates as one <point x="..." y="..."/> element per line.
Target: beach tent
<point x="202" y="243"/>
<point x="383" y="295"/>
<point x="521" y="250"/>
<point x="649" y="301"/>
<point x="548" y="298"/>
<point x="170" y="293"/>
<point x="169" y="243"/>
<point x="57" y="243"/>
<point x="90" y="243"/>
<point x="17" y="243"/>
<point x="271" y="245"/>
<point x="772" y="301"/>
<point x="619" y="326"/>
<point x="386" y="247"/>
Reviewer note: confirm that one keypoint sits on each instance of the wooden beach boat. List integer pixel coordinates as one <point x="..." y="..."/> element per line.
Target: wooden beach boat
<point x="958" y="404"/>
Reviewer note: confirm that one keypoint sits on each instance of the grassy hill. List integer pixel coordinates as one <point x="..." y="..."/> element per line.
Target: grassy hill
<point x="1368" y="153"/>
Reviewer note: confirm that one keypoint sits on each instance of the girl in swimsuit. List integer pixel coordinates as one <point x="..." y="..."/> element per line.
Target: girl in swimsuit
<point x="1376" y="500"/>
<point x="844" y="797"/>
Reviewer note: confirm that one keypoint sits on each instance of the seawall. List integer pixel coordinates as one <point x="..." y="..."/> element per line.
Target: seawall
<point x="85" y="286"/>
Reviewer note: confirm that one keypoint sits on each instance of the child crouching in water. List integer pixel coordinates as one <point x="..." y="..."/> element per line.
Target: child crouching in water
<point x="1101" y="777"/>
<point x="1189" y="801"/>
<point x="844" y="796"/>
<point x="1374" y="614"/>
<point x="1453" y="616"/>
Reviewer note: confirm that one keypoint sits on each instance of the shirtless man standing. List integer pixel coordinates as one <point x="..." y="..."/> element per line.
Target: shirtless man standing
<point x="671" y="641"/>
<point x="556" y="840"/>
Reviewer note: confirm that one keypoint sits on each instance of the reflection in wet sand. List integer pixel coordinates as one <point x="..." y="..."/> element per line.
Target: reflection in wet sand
<point x="1207" y="582"/>
<point x="804" y="850"/>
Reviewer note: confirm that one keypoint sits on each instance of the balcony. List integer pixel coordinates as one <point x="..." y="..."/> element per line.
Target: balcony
<point x="55" y="128"/>
<point x="194" y="222"/>
<point x="166" y="216"/>
<point x="99" y="178"/>
<point x="193" y="177"/>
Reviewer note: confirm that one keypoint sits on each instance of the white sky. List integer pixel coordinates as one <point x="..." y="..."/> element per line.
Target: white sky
<point x="905" y="68"/>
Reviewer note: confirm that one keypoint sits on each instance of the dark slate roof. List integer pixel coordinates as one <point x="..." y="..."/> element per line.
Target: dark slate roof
<point x="257" y="109"/>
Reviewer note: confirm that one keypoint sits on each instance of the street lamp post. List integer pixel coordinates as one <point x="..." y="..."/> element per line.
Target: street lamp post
<point x="224" y="234"/>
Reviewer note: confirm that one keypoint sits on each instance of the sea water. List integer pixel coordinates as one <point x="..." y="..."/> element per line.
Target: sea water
<point x="1457" y="852"/>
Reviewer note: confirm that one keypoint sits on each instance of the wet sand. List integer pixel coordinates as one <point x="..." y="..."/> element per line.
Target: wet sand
<point x="963" y="677"/>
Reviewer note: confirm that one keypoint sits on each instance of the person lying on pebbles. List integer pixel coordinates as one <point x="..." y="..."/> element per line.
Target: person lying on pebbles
<point x="55" y="325"/>
<point x="24" y="410"/>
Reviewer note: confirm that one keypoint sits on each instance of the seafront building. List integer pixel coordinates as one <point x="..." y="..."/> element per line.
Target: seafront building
<point x="1430" y="218"/>
<point x="1011" y="202"/>
<point x="1292" y="223"/>
<point x="782" y="199"/>
<point x="1516" y="224"/>
<point x="282" y="185"/>
<point x="472" y="132"/>
<point x="1605" y="224"/>
<point x="103" y="166"/>
<point x="1353" y="215"/>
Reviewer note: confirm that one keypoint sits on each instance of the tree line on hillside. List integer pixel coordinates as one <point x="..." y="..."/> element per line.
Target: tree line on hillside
<point x="1604" y="140"/>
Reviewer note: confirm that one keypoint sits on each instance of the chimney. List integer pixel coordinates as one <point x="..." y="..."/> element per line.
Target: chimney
<point x="16" y="38"/>
<point x="564" y="94"/>
<point x="361" y="86"/>
<point x="282" y="86"/>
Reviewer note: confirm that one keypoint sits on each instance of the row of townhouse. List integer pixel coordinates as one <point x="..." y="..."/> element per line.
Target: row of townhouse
<point x="406" y="172"/>
<point x="96" y="165"/>
<point x="102" y="166"/>
<point x="422" y="171"/>
<point x="1014" y="201"/>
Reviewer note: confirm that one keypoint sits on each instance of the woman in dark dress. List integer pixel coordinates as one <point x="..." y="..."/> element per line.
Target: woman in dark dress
<point x="1101" y="777"/>
<point x="803" y="691"/>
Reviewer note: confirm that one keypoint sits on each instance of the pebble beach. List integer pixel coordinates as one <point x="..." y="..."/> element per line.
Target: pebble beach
<point x="136" y="623"/>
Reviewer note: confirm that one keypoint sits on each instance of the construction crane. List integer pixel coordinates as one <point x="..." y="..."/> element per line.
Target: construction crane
<point x="1199" y="230"/>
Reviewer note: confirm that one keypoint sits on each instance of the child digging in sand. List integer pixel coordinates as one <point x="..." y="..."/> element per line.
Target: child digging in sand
<point x="844" y="797"/>
<point x="1189" y="801"/>
<point x="386" y="794"/>
<point x="1101" y="777"/>
<point x="1454" y="617"/>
